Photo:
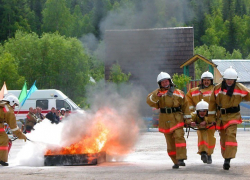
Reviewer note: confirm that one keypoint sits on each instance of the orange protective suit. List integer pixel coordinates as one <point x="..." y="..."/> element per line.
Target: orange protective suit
<point x="206" y="139"/>
<point x="227" y="121"/>
<point x="7" y="115"/>
<point x="171" y="123"/>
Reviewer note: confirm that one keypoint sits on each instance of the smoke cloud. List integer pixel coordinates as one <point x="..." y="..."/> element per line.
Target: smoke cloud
<point x="116" y="112"/>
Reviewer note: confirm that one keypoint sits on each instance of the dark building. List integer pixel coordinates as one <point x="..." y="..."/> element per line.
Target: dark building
<point x="146" y="52"/>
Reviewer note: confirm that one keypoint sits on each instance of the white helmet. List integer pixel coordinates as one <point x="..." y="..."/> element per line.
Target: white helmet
<point x="202" y="105"/>
<point x="230" y="73"/>
<point x="207" y="75"/>
<point x="12" y="100"/>
<point x="63" y="109"/>
<point x="163" y="76"/>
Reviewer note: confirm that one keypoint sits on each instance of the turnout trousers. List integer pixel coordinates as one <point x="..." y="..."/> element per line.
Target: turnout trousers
<point x="4" y="142"/>
<point x="228" y="141"/>
<point x="206" y="141"/>
<point x="176" y="145"/>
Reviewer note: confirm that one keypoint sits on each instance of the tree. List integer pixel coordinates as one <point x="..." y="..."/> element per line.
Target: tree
<point x="9" y="71"/>
<point x="212" y="52"/>
<point x="57" y="17"/>
<point x="117" y="76"/>
<point x="96" y="68"/>
<point x="216" y="29"/>
<point x="242" y="34"/>
<point x="55" y="61"/>
<point x="13" y="15"/>
<point x="100" y="10"/>
<point x="35" y="19"/>
<point x="180" y="80"/>
<point x="81" y="24"/>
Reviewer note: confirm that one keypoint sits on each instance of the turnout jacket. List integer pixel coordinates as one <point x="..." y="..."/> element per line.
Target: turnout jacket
<point x="197" y="119"/>
<point x="168" y="122"/>
<point x="31" y="119"/>
<point x="223" y="101"/>
<point x="196" y="94"/>
<point x="7" y="115"/>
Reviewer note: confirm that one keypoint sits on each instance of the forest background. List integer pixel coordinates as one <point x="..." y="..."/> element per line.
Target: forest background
<point x="59" y="43"/>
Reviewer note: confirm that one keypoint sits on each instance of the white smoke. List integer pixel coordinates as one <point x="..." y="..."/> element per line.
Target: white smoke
<point x="119" y="112"/>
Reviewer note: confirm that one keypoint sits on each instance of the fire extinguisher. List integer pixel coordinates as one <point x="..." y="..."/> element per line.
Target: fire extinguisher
<point x="10" y="143"/>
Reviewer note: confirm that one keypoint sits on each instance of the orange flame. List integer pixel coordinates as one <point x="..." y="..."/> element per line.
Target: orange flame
<point x="92" y="144"/>
<point x="110" y="131"/>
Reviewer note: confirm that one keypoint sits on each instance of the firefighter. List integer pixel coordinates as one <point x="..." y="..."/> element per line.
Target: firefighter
<point x="194" y="96"/>
<point x="206" y="142"/>
<point x="31" y="121"/>
<point x="173" y="110"/>
<point x="227" y="95"/>
<point x="7" y="115"/>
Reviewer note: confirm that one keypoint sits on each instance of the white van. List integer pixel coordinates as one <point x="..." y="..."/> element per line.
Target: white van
<point x="46" y="99"/>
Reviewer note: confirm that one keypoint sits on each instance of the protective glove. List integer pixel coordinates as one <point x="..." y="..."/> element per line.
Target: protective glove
<point x="203" y="124"/>
<point x="188" y="121"/>
<point x="22" y="136"/>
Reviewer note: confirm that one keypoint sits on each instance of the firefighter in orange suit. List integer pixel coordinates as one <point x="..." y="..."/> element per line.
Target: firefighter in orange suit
<point x="206" y="142"/>
<point x="194" y="96"/>
<point x="173" y="110"/>
<point x="31" y="121"/>
<point x="7" y="115"/>
<point x="227" y="95"/>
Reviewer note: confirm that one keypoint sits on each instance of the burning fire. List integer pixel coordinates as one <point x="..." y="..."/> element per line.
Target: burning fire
<point x="88" y="145"/>
<point x="107" y="130"/>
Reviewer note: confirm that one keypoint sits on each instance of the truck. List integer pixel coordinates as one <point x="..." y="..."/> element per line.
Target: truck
<point x="45" y="99"/>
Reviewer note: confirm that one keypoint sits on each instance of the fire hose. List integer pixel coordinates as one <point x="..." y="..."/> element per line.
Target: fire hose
<point x="15" y="138"/>
<point x="197" y="129"/>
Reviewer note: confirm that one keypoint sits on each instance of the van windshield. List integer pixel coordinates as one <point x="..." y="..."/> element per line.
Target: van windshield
<point x="74" y="106"/>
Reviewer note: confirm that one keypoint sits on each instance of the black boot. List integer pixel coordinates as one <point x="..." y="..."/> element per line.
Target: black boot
<point x="4" y="163"/>
<point x="204" y="156"/>
<point x="226" y="164"/>
<point x="209" y="159"/>
<point x="175" y="166"/>
<point x="181" y="162"/>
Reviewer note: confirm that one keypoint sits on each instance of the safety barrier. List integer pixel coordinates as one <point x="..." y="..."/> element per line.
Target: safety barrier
<point x="245" y="121"/>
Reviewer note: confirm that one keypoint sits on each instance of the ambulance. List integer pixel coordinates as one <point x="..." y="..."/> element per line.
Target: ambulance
<point x="45" y="99"/>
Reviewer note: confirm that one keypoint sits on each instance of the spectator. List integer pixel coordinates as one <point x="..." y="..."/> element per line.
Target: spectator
<point x="57" y="116"/>
<point x="52" y="115"/>
<point x="39" y="114"/>
<point x="67" y="113"/>
<point x="62" y="114"/>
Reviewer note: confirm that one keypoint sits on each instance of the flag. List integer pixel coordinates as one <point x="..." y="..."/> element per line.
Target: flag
<point x="32" y="89"/>
<point x="3" y="91"/>
<point x="23" y="93"/>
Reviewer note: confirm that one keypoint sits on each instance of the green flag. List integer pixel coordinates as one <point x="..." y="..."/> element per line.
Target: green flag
<point x="23" y="93"/>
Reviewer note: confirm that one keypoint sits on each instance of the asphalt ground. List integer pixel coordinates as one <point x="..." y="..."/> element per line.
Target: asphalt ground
<point x="148" y="160"/>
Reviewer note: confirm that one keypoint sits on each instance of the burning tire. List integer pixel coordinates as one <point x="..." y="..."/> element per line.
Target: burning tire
<point x="74" y="159"/>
